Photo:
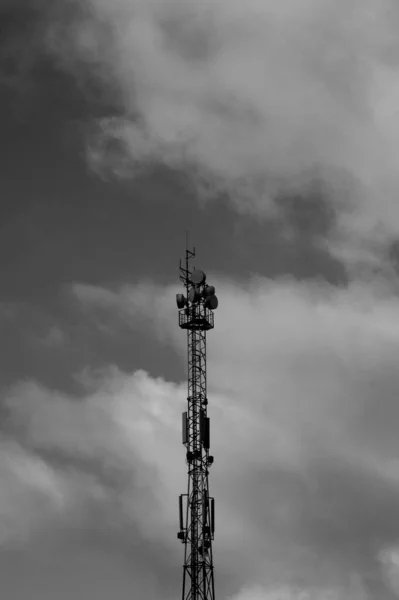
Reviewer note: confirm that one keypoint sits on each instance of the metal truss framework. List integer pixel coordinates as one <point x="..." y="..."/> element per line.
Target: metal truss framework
<point x="197" y="508"/>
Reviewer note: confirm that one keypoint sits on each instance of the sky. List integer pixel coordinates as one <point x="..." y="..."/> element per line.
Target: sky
<point x="269" y="131"/>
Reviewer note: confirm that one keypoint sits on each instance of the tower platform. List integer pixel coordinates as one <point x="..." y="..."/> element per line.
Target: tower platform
<point x="190" y="319"/>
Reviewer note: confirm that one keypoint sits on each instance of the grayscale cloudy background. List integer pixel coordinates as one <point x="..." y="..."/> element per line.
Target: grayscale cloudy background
<point x="270" y="130"/>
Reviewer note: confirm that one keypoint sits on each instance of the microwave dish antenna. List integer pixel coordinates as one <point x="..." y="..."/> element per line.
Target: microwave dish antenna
<point x="198" y="277"/>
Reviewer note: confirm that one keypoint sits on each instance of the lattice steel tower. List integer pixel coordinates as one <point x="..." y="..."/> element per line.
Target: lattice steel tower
<point x="196" y="507"/>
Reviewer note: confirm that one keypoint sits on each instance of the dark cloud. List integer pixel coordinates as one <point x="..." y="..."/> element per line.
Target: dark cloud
<point x="302" y="376"/>
<point x="206" y="91"/>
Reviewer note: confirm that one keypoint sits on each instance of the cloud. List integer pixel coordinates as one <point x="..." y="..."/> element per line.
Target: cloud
<point x="108" y="485"/>
<point x="302" y="382"/>
<point x="106" y="435"/>
<point x="254" y="99"/>
<point x="21" y="44"/>
<point x="355" y="591"/>
<point x="302" y="385"/>
<point x="55" y="337"/>
<point x="31" y="494"/>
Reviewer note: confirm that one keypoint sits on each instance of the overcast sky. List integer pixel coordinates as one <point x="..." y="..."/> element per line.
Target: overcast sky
<point x="270" y="131"/>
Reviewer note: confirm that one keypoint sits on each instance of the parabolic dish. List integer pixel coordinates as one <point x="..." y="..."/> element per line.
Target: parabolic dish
<point x="212" y="302"/>
<point x="209" y="290"/>
<point x="198" y="277"/>
<point x="194" y="295"/>
<point x="180" y="300"/>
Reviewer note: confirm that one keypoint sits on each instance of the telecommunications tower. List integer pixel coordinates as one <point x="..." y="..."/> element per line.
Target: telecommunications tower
<point x="196" y="507"/>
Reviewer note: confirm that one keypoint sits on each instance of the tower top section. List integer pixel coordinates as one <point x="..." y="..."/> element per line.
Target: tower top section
<point x="197" y="303"/>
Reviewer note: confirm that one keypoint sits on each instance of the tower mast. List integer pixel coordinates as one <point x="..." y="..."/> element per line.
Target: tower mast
<point x="196" y="507"/>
